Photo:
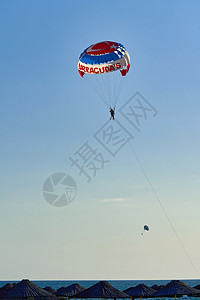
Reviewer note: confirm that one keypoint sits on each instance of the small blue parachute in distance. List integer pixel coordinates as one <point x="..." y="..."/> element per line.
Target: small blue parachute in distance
<point x="146" y="228"/>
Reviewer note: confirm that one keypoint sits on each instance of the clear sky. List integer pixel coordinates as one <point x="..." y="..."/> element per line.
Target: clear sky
<point x="47" y="112"/>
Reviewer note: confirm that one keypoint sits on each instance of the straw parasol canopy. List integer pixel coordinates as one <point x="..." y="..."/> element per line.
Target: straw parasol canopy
<point x="157" y="287"/>
<point x="63" y="287"/>
<point x="102" y="289"/>
<point x="26" y="289"/>
<point x="71" y="290"/>
<point x="176" y="288"/>
<point x="197" y="287"/>
<point x="49" y="289"/>
<point x="4" y="290"/>
<point x="140" y="291"/>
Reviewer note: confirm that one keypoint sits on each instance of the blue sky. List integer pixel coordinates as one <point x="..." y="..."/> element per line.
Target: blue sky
<point x="48" y="111"/>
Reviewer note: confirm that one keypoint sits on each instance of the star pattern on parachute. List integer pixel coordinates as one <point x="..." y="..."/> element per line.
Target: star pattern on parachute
<point x="113" y="47"/>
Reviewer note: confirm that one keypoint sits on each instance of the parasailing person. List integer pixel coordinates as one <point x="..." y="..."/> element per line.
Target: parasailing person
<point x="104" y="66"/>
<point x="112" y="113"/>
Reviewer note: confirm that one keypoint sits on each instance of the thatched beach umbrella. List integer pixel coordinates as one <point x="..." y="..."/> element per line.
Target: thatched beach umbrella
<point x="26" y="289"/>
<point x="50" y="289"/>
<point x="176" y="288"/>
<point x="102" y="289"/>
<point x="157" y="287"/>
<point x="70" y="291"/>
<point x="63" y="287"/>
<point x="4" y="290"/>
<point x="140" y="291"/>
<point x="197" y="287"/>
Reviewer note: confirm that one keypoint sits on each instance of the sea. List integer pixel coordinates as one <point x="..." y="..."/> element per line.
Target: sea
<point x="118" y="284"/>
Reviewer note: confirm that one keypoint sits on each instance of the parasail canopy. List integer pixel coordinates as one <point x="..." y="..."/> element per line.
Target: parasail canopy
<point x="105" y="66"/>
<point x="104" y="57"/>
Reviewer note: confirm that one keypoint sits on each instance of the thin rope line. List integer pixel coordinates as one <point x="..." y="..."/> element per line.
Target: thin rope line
<point x="92" y="84"/>
<point x="121" y="82"/>
<point x="161" y="205"/>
